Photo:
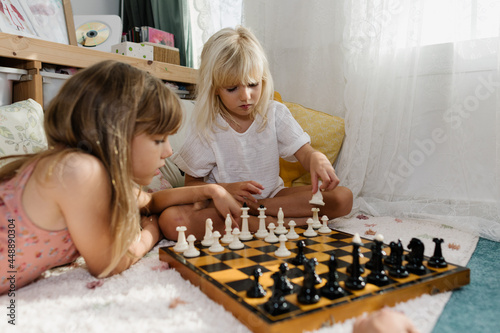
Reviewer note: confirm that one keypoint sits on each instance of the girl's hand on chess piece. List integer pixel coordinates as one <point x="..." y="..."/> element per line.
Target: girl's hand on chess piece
<point x="244" y="191"/>
<point x="384" y="321"/>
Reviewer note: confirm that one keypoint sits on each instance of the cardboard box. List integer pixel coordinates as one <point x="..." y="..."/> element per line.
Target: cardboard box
<point x="136" y="50"/>
<point x="163" y="53"/>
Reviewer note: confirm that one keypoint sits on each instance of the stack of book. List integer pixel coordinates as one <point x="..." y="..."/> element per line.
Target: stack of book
<point x="151" y="35"/>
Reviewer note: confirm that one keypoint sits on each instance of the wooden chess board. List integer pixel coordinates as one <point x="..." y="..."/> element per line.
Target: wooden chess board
<point x="226" y="276"/>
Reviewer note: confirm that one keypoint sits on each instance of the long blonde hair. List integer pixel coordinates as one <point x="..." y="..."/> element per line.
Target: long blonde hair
<point x="98" y="111"/>
<point x="230" y="57"/>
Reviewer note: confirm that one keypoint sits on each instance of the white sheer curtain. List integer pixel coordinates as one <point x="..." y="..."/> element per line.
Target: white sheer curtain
<point x="419" y="86"/>
<point x="423" y="119"/>
<point x="208" y="17"/>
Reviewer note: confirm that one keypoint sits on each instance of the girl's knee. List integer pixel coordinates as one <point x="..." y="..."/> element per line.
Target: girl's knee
<point x="343" y="200"/>
<point x="169" y="220"/>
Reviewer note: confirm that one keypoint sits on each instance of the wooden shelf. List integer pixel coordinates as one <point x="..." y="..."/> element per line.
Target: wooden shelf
<point x="32" y="54"/>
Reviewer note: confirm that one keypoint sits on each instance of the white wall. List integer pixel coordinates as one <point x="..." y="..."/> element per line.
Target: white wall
<point x="95" y="7"/>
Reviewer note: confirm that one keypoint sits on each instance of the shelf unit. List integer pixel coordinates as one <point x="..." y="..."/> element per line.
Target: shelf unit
<point x="32" y="54"/>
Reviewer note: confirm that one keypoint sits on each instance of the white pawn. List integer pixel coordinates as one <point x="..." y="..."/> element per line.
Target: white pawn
<point x="356" y="239"/>
<point x="191" y="250"/>
<point x="271" y="237"/>
<point x="280" y="229"/>
<point x="228" y="236"/>
<point x="310" y="231"/>
<point x="282" y="251"/>
<point x="208" y="239"/>
<point x="317" y="198"/>
<point x="236" y="244"/>
<point x="262" y="231"/>
<point x="324" y="228"/>
<point x="292" y="234"/>
<point x="317" y="223"/>
<point x="216" y="247"/>
<point x="245" y="232"/>
<point x="181" y="245"/>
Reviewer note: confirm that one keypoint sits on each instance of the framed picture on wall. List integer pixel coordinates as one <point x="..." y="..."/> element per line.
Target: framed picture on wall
<point x="50" y="20"/>
<point x="15" y="20"/>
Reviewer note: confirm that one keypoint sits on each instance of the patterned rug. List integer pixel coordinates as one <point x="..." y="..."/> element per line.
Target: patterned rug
<point x="151" y="297"/>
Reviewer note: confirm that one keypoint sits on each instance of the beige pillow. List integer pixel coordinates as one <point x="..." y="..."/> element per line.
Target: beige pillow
<point x="21" y="128"/>
<point x="326" y="132"/>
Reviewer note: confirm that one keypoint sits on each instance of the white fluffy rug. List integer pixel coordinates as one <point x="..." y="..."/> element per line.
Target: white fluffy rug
<point x="150" y="297"/>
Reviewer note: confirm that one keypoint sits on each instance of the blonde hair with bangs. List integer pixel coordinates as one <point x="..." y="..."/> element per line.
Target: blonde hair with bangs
<point x="98" y="111"/>
<point x="230" y="57"/>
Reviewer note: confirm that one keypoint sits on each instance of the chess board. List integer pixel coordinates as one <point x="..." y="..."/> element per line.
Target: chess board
<point x="226" y="276"/>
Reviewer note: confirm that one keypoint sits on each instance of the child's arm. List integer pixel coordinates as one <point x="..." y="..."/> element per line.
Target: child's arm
<point x="223" y="200"/>
<point x="319" y="166"/>
<point x="241" y="191"/>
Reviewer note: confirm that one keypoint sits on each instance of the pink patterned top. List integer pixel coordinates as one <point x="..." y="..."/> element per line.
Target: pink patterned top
<point x="26" y="251"/>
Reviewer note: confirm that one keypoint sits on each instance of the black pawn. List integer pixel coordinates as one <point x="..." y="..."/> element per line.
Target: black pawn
<point x="437" y="260"/>
<point x="398" y="270"/>
<point x="281" y="280"/>
<point x="377" y="274"/>
<point x="308" y="293"/>
<point x="391" y="259"/>
<point x="371" y="262"/>
<point x="277" y="304"/>
<point x="300" y="258"/>
<point x="256" y="290"/>
<point x="332" y="289"/>
<point x="416" y="257"/>
<point x="355" y="281"/>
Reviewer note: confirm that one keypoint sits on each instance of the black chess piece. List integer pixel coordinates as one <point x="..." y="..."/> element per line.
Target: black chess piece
<point x="332" y="289"/>
<point x="398" y="270"/>
<point x="360" y="268"/>
<point x="437" y="260"/>
<point x="281" y="280"/>
<point x="377" y="274"/>
<point x="300" y="258"/>
<point x="256" y="290"/>
<point x="416" y="257"/>
<point x="308" y="293"/>
<point x="355" y="281"/>
<point x="277" y="304"/>
<point x="391" y="259"/>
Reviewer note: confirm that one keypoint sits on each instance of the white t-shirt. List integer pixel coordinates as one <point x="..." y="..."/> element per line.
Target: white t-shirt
<point x="254" y="155"/>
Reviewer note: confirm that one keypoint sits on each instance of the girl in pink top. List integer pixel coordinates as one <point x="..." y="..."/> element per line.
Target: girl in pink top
<point x="107" y="131"/>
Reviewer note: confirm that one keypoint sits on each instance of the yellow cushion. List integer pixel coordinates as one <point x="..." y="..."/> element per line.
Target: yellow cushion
<point x="326" y="132"/>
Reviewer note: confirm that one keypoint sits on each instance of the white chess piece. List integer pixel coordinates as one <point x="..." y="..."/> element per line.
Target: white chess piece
<point x="208" y="239"/>
<point x="317" y="222"/>
<point x="317" y="198"/>
<point x="282" y="251"/>
<point x="292" y="234"/>
<point x="216" y="247"/>
<point x="245" y="232"/>
<point x="271" y="237"/>
<point x="356" y="239"/>
<point x="280" y="229"/>
<point x="228" y="236"/>
<point x="324" y="228"/>
<point x="236" y="244"/>
<point x="191" y="251"/>
<point x="262" y="231"/>
<point x="310" y="231"/>
<point x="181" y="245"/>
